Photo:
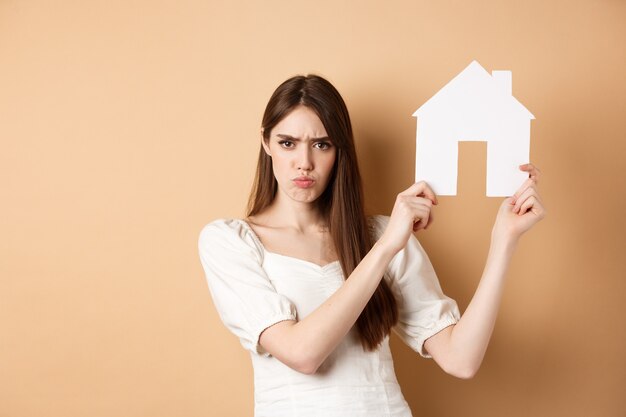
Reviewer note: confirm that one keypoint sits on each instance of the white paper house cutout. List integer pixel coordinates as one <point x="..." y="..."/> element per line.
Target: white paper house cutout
<point x="473" y="106"/>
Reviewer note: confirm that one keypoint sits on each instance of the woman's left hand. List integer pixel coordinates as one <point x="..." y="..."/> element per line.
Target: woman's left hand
<point x="519" y="213"/>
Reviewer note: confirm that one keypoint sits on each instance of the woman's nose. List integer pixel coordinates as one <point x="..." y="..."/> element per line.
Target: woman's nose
<point x="305" y="160"/>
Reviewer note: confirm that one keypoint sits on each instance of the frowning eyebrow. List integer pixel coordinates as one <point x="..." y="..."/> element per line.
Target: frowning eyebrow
<point x="282" y="136"/>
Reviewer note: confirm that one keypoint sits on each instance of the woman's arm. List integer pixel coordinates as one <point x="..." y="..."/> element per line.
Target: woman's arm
<point x="459" y="349"/>
<point x="304" y="345"/>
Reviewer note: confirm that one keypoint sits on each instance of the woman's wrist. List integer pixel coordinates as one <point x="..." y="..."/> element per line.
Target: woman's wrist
<point x="503" y="242"/>
<point x="504" y="235"/>
<point x="383" y="250"/>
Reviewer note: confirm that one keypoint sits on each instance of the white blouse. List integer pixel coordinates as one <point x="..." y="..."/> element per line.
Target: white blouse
<point x="253" y="289"/>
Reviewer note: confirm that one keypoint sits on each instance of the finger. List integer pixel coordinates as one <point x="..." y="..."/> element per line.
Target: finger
<point x="530" y="191"/>
<point x="531" y="204"/>
<point x="431" y="219"/>
<point x="539" y="210"/>
<point x="534" y="204"/>
<point x="527" y="183"/>
<point x="413" y="204"/>
<point x="420" y="223"/>
<point x="533" y="172"/>
<point x="420" y="219"/>
<point x="421" y="202"/>
<point x="422" y="211"/>
<point x="530" y="168"/>
<point x="420" y="205"/>
<point x="421" y="188"/>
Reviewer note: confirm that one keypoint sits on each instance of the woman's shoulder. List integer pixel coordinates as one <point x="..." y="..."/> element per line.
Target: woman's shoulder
<point x="228" y="234"/>
<point x="223" y="224"/>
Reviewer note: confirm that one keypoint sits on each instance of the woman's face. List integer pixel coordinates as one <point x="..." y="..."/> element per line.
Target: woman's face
<point x="302" y="155"/>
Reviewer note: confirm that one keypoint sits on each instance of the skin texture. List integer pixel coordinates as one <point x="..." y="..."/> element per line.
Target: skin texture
<point x="292" y="226"/>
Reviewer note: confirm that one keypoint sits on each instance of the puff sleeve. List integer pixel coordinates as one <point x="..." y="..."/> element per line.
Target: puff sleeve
<point x="244" y="297"/>
<point x="424" y="310"/>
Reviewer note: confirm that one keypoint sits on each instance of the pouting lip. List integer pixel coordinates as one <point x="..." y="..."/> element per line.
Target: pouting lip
<point x="303" y="178"/>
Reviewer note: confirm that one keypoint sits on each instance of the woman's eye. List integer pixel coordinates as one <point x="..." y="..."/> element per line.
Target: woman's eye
<point x="323" y="145"/>
<point x="285" y="143"/>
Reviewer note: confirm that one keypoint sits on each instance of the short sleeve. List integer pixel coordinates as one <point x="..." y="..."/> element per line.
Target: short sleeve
<point x="243" y="295"/>
<point x="424" y="310"/>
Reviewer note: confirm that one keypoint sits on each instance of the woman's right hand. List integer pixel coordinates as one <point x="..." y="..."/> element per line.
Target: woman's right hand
<point x="411" y="212"/>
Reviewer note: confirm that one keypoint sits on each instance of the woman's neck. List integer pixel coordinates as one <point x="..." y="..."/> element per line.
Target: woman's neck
<point x="302" y="217"/>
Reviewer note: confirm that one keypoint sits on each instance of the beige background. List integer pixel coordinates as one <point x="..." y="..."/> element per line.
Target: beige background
<point x="126" y="126"/>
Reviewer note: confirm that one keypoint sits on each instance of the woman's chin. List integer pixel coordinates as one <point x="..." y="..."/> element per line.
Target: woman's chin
<point x="304" y="195"/>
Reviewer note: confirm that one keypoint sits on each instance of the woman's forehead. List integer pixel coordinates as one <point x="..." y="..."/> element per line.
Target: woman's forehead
<point x="301" y="123"/>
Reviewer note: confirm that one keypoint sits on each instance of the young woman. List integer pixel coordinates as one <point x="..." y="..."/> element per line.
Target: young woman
<point x="312" y="287"/>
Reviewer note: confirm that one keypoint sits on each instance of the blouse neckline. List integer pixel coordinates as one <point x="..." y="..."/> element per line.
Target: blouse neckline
<point x="258" y="240"/>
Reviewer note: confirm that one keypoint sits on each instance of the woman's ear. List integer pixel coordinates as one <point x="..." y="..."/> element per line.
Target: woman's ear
<point x="264" y="144"/>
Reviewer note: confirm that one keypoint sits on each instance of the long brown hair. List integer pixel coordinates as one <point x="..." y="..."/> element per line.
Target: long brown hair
<point x="341" y="203"/>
